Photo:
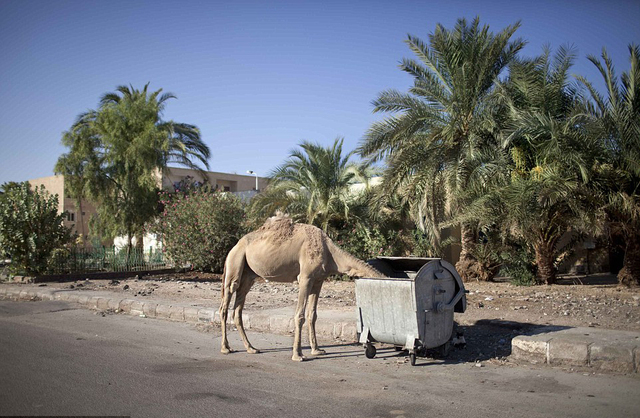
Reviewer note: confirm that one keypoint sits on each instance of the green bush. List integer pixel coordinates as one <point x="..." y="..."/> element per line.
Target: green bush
<point x="519" y="265"/>
<point x="200" y="227"/>
<point x="30" y="228"/>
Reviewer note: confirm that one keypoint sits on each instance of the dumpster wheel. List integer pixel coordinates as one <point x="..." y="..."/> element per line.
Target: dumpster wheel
<point x="369" y="350"/>
<point x="412" y="358"/>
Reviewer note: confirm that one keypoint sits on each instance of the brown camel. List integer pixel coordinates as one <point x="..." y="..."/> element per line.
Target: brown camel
<point x="282" y="251"/>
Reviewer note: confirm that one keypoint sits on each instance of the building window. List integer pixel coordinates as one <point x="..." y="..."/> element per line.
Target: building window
<point x="71" y="217"/>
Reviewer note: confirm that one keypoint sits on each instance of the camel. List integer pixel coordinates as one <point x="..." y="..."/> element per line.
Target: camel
<point x="283" y="251"/>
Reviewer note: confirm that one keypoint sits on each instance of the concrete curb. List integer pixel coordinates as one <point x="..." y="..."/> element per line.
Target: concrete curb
<point x="334" y="324"/>
<point x="600" y="349"/>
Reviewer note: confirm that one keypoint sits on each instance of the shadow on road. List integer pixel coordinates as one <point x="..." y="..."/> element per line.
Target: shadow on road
<point x="485" y="340"/>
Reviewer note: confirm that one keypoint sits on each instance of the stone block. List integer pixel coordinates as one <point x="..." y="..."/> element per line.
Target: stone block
<point x="568" y="351"/>
<point x="125" y="305"/>
<point x="259" y="322"/>
<point x="93" y="302"/>
<point x="530" y="348"/>
<point x="636" y="358"/>
<point x="616" y="358"/>
<point x="103" y="303"/>
<point x="176" y="313"/>
<point x="46" y="295"/>
<point x="149" y="309"/>
<point x="114" y="304"/>
<point x="137" y="308"/>
<point x="282" y="324"/>
<point x="206" y="315"/>
<point x="191" y="314"/>
<point x="349" y="332"/>
<point x="73" y="297"/>
<point x="163" y="311"/>
<point x="83" y="299"/>
<point x="327" y="329"/>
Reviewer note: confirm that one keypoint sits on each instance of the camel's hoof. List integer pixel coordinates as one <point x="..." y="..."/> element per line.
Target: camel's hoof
<point x="298" y="358"/>
<point x="252" y="350"/>
<point x="318" y="352"/>
<point x="226" y="350"/>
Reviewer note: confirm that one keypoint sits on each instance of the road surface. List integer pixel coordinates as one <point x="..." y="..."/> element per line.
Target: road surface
<point x="57" y="359"/>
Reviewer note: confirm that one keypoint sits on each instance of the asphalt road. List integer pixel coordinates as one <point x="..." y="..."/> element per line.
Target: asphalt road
<point x="56" y="359"/>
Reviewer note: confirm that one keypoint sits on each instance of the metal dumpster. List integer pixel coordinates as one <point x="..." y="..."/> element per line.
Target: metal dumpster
<point x="413" y="308"/>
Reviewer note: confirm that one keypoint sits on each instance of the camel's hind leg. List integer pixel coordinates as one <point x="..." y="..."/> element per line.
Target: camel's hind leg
<point x="231" y="278"/>
<point x="224" y="311"/>
<point x="312" y="316"/>
<point x="248" y="277"/>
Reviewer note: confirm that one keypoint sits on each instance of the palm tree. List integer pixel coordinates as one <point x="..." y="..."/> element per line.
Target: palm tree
<point x="117" y="152"/>
<point x="617" y="117"/>
<point x="312" y="185"/>
<point x="550" y="157"/>
<point x="441" y="123"/>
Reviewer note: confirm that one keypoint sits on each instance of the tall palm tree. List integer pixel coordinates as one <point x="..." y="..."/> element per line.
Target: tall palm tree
<point x="441" y="122"/>
<point x="117" y="151"/>
<point x="617" y="116"/>
<point x="312" y="185"/>
<point x="550" y="158"/>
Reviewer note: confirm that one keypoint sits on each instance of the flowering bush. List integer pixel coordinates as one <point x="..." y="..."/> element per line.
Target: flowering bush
<point x="200" y="227"/>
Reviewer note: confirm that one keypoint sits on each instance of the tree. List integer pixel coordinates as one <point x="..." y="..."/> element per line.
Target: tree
<point x="199" y="226"/>
<point x="549" y="160"/>
<point x="617" y="117"/>
<point x="30" y="227"/>
<point x="118" y="152"/>
<point x="441" y="122"/>
<point x="312" y="186"/>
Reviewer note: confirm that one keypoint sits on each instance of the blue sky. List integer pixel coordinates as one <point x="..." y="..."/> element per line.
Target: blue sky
<point x="256" y="77"/>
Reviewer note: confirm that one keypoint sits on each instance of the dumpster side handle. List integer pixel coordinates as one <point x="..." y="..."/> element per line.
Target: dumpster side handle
<point x="441" y="307"/>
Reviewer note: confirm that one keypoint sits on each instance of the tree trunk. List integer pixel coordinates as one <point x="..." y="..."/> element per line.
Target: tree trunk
<point x="545" y="256"/>
<point x="467" y="267"/>
<point x="129" y="247"/>
<point x="140" y="241"/>
<point x="630" y="273"/>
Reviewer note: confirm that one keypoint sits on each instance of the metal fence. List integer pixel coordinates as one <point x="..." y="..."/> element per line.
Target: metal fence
<point x="106" y="259"/>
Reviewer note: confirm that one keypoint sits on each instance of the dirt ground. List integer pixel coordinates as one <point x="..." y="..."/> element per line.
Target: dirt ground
<point x="496" y="312"/>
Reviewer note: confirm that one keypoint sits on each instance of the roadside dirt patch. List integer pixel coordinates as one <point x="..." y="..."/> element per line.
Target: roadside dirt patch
<point x="594" y="301"/>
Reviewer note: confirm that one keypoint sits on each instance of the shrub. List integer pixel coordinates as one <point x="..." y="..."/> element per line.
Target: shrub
<point x="367" y="243"/>
<point x="519" y="265"/>
<point x="30" y="228"/>
<point x="200" y="227"/>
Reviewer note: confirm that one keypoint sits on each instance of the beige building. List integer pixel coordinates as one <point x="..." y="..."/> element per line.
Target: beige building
<point x="78" y="216"/>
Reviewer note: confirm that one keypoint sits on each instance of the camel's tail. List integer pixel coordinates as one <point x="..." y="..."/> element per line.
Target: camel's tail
<point x="224" y="278"/>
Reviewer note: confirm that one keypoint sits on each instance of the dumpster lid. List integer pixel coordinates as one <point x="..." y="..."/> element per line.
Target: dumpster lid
<point x="399" y="266"/>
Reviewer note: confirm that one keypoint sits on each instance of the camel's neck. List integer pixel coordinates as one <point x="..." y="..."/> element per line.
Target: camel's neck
<point x="350" y="265"/>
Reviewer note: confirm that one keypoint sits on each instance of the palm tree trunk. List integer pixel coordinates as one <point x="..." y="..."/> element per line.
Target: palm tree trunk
<point x="545" y="256"/>
<point x="630" y="273"/>
<point x="467" y="240"/>
<point x="467" y="266"/>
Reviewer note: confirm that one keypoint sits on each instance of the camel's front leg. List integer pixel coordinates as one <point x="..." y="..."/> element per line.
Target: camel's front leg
<point x="303" y="294"/>
<point x="312" y="316"/>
